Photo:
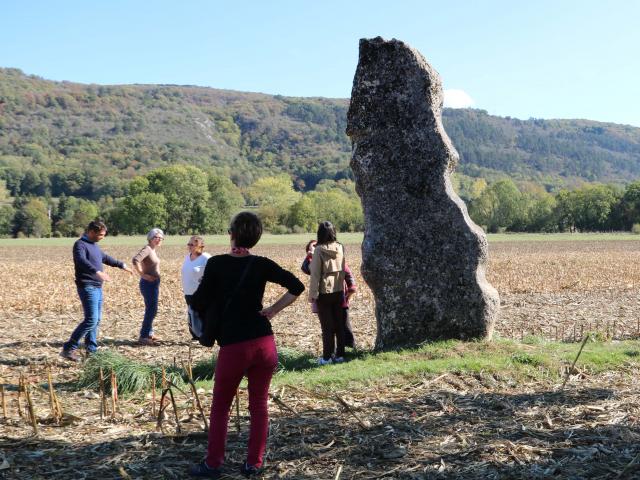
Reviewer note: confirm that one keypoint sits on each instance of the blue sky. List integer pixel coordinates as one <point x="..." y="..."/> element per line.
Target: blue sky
<point x="543" y="59"/>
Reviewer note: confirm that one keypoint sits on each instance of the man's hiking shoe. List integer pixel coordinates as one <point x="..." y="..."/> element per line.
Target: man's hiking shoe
<point x="202" y="470"/>
<point x="322" y="361"/>
<point x="148" y="342"/>
<point x="249" y="470"/>
<point x="71" y="355"/>
<point x="338" y="360"/>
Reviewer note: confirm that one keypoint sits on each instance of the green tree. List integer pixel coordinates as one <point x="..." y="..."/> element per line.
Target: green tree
<point x="594" y="206"/>
<point x="481" y="209"/>
<point x="35" y="182"/>
<point x="566" y="211"/>
<point x="4" y="192"/>
<point x="273" y="196"/>
<point x="186" y="191"/>
<point x="140" y="213"/>
<point x="344" y="211"/>
<point x="84" y="212"/>
<point x="335" y="205"/>
<point x="138" y="185"/>
<point x="13" y="173"/>
<point x="511" y="205"/>
<point x="32" y="219"/>
<point x="468" y="188"/>
<point x="72" y="215"/>
<point x="588" y="208"/>
<point x="7" y="212"/>
<point x="499" y="206"/>
<point x="303" y="214"/>
<point x="541" y="217"/>
<point x="224" y="200"/>
<point x="630" y="205"/>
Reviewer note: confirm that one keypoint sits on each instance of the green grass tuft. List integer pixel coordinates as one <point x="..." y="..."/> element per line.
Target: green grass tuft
<point x="204" y="369"/>
<point x="132" y="376"/>
<point x="291" y="360"/>
<point x="533" y="340"/>
<point x="526" y="359"/>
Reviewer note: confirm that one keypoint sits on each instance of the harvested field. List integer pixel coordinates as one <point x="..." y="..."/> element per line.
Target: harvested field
<point x="458" y="426"/>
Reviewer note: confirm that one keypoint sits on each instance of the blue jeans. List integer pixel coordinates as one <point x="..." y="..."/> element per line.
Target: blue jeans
<point x="91" y="299"/>
<point x="150" y="292"/>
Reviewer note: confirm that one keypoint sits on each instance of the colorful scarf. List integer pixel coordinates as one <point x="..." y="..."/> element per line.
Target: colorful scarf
<point x="240" y="251"/>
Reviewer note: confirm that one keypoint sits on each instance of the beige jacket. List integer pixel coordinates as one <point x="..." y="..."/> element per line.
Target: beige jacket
<point x="327" y="270"/>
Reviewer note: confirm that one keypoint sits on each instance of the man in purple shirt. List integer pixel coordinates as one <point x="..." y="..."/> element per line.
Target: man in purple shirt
<point x="88" y="262"/>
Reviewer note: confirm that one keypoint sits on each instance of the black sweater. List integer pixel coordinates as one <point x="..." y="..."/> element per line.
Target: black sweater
<point x="241" y="320"/>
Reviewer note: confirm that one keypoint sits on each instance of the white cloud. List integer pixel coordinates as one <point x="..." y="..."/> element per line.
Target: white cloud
<point x="457" y="99"/>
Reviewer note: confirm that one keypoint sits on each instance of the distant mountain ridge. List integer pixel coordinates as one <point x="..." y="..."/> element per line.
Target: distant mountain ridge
<point x="546" y="151"/>
<point x="59" y="137"/>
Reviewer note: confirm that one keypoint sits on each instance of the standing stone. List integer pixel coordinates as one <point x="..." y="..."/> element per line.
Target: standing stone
<point x="423" y="257"/>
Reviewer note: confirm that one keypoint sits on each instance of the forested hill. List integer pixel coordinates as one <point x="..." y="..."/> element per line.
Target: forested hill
<point x="60" y="137"/>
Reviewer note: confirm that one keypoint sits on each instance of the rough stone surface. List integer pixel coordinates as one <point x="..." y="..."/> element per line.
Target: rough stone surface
<point x="423" y="257"/>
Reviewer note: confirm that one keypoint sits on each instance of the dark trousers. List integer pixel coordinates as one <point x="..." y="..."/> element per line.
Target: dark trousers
<point x="150" y="293"/>
<point x="349" y="339"/>
<point x="331" y="315"/>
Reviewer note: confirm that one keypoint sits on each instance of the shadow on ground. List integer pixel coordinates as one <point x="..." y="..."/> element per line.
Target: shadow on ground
<point x="404" y="432"/>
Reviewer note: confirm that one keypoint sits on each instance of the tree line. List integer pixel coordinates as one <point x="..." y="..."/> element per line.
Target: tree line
<point x="184" y="199"/>
<point x="503" y="206"/>
<point x="89" y="141"/>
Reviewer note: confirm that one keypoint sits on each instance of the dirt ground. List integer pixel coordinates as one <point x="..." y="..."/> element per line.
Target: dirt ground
<point x="457" y="426"/>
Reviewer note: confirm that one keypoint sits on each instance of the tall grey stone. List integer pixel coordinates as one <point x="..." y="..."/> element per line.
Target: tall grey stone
<point x="423" y="257"/>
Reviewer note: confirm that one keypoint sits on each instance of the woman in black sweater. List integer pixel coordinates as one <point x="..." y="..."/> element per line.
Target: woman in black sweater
<point x="233" y="286"/>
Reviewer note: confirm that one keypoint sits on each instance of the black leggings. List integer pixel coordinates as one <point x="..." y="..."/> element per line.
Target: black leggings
<point x="331" y="316"/>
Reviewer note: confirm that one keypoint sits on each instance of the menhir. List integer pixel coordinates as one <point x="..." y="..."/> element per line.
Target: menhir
<point x="423" y="257"/>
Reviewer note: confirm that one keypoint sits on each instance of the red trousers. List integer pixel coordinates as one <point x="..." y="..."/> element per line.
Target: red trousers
<point x="257" y="359"/>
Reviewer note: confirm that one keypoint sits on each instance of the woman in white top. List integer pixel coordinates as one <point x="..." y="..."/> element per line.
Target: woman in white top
<point x="192" y="270"/>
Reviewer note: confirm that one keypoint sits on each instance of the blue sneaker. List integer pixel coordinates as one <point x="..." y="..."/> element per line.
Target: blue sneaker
<point x="249" y="470"/>
<point x="204" y="471"/>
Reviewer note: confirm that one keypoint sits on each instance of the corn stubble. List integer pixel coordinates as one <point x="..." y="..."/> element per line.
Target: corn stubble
<point x="557" y="291"/>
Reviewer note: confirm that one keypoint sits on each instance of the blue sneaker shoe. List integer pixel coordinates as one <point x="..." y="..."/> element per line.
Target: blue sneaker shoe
<point x="203" y="470"/>
<point x="249" y="470"/>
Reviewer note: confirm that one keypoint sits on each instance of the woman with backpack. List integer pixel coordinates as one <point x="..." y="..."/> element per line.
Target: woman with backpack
<point x="326" y="289"/>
